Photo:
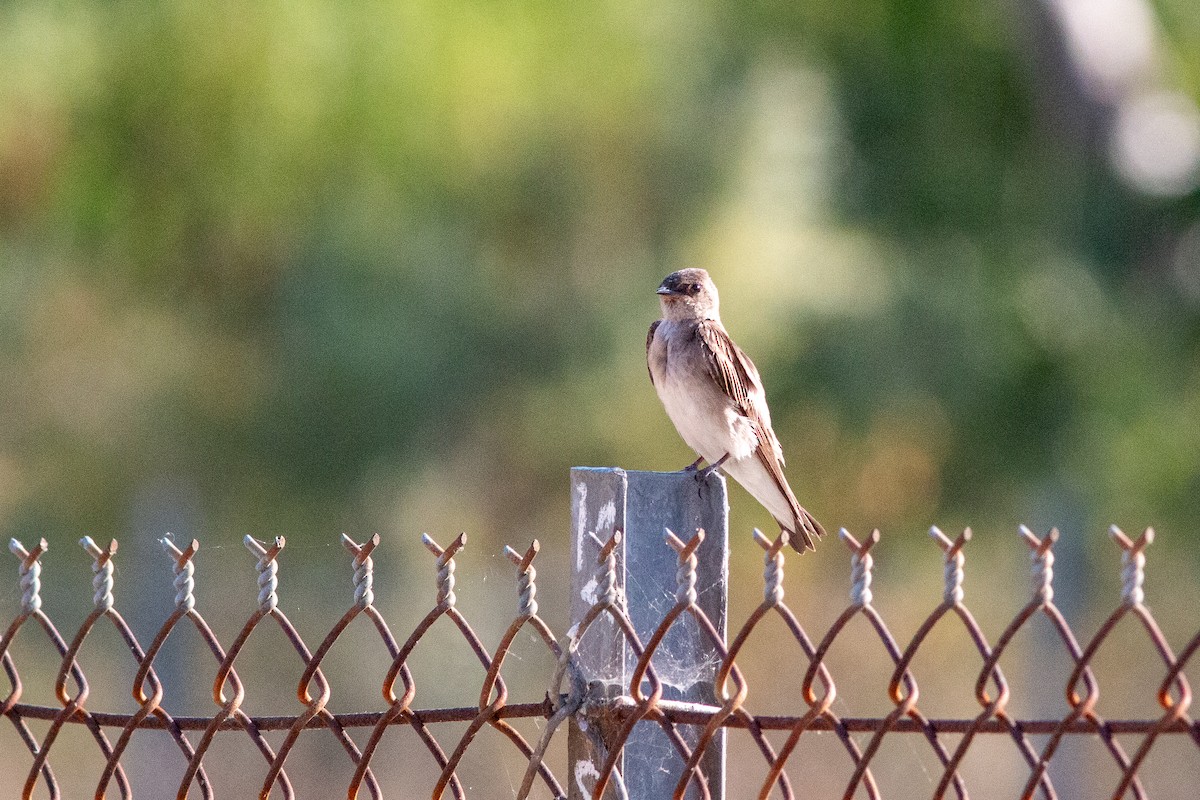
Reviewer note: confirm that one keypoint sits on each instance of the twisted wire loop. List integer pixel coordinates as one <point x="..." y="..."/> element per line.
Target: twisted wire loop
<point x="685" y="600"/>
<point x="1084" y="706"/>
<point x="862" y="565"/>
<point x="183" y="569"/>
<point x="572" y="702"/>
<point x="29" y="570"/>
<point x="732" y="705"/>
<point x="149" y="704"/>
<point x="399" y="708"/>
<point x="231" y="706"/>
<point x="527" y="609"/>
<point x="489" y="712"/>
<point x="268" y="606"/>
<point x="315" y="705"/>
<point x="1042" y="575"/>
<point x="994" y="706"/>
<point x="903" y="690"/>
<point x="73" y="706"/>
<point x="609" y="601"/>
<point x="1185" y="655"/>
<point x="1174" y="693"/>
<point x="493" y="682"/>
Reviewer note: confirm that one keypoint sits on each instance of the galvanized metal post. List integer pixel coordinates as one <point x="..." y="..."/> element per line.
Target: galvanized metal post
<point x="642" y="505"/>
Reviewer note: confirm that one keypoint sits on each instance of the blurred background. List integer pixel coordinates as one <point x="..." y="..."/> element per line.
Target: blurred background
<point x="309" y="267"/>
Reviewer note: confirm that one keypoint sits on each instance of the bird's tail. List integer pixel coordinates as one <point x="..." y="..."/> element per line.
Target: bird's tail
<point x="763" y="478"/>
<point x="807" y="527"/>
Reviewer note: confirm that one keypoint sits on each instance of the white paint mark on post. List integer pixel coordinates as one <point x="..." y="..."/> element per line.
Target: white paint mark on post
<point x="585" y="769"/>
<point x="607" y="517"/>
<point x="580" y="522"/>
<point x="588" y="592"/>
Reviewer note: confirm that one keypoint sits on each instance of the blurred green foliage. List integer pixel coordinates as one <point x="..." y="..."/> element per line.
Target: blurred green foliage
<point x="388" y="266"/>
<point x="309" y="267"/>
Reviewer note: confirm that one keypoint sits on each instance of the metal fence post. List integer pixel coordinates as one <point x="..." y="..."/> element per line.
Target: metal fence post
<point x="641" y="505"/>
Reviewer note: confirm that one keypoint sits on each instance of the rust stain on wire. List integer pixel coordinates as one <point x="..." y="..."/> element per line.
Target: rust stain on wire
<point x="613" y="720"/>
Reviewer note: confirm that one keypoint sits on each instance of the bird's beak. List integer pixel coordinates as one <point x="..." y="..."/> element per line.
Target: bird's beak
<point x="664" y="290"/>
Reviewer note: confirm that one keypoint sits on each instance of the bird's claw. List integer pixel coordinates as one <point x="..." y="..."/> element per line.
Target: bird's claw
<point x="702" y="475"/>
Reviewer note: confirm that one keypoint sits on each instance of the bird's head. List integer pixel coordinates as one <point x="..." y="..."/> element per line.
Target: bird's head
<point x="688" y="294"/>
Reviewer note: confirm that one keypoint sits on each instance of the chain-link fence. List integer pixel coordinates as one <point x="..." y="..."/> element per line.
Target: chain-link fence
<point x="604" y="720"/>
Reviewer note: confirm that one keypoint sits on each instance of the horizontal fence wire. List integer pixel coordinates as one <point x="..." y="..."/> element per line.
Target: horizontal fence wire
<point x="948" y="739"/>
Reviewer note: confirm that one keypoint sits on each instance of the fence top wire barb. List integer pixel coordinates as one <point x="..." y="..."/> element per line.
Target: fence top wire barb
<point x="641" y="702"/>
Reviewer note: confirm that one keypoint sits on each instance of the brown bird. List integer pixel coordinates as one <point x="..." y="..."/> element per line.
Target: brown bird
<point x="714" y="395"/>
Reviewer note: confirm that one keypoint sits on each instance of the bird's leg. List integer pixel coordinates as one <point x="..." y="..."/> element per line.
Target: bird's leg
<point x="692" y="467"/>
<point x="711" y="468"/>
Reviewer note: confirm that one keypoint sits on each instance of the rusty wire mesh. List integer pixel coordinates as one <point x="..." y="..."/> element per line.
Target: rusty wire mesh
<point x="775" y="737"/>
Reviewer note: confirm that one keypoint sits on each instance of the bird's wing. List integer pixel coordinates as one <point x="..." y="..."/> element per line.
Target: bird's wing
<point x="737" y="376"/>
<point x="650" y="341"/>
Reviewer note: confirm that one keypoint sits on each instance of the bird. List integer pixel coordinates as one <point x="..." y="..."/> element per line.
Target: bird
<point x="713" y="394"/>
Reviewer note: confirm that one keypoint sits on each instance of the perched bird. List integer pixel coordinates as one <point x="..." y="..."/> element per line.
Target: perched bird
<point x="713" y="394"/>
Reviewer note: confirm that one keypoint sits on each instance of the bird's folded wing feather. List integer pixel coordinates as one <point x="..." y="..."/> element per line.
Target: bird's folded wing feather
<point x="650" y="341"/>
<point x="736" y="374"/>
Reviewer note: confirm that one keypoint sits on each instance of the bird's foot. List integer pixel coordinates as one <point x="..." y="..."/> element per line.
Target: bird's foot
<point x="695" y="465"/>
<point x="702" y="475"/>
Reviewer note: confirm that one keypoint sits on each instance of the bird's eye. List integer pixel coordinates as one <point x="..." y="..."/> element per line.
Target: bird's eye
<point x="694" y="289"/>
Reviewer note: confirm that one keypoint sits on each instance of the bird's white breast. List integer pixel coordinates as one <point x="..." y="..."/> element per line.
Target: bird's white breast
<point x="704" y="415"/>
